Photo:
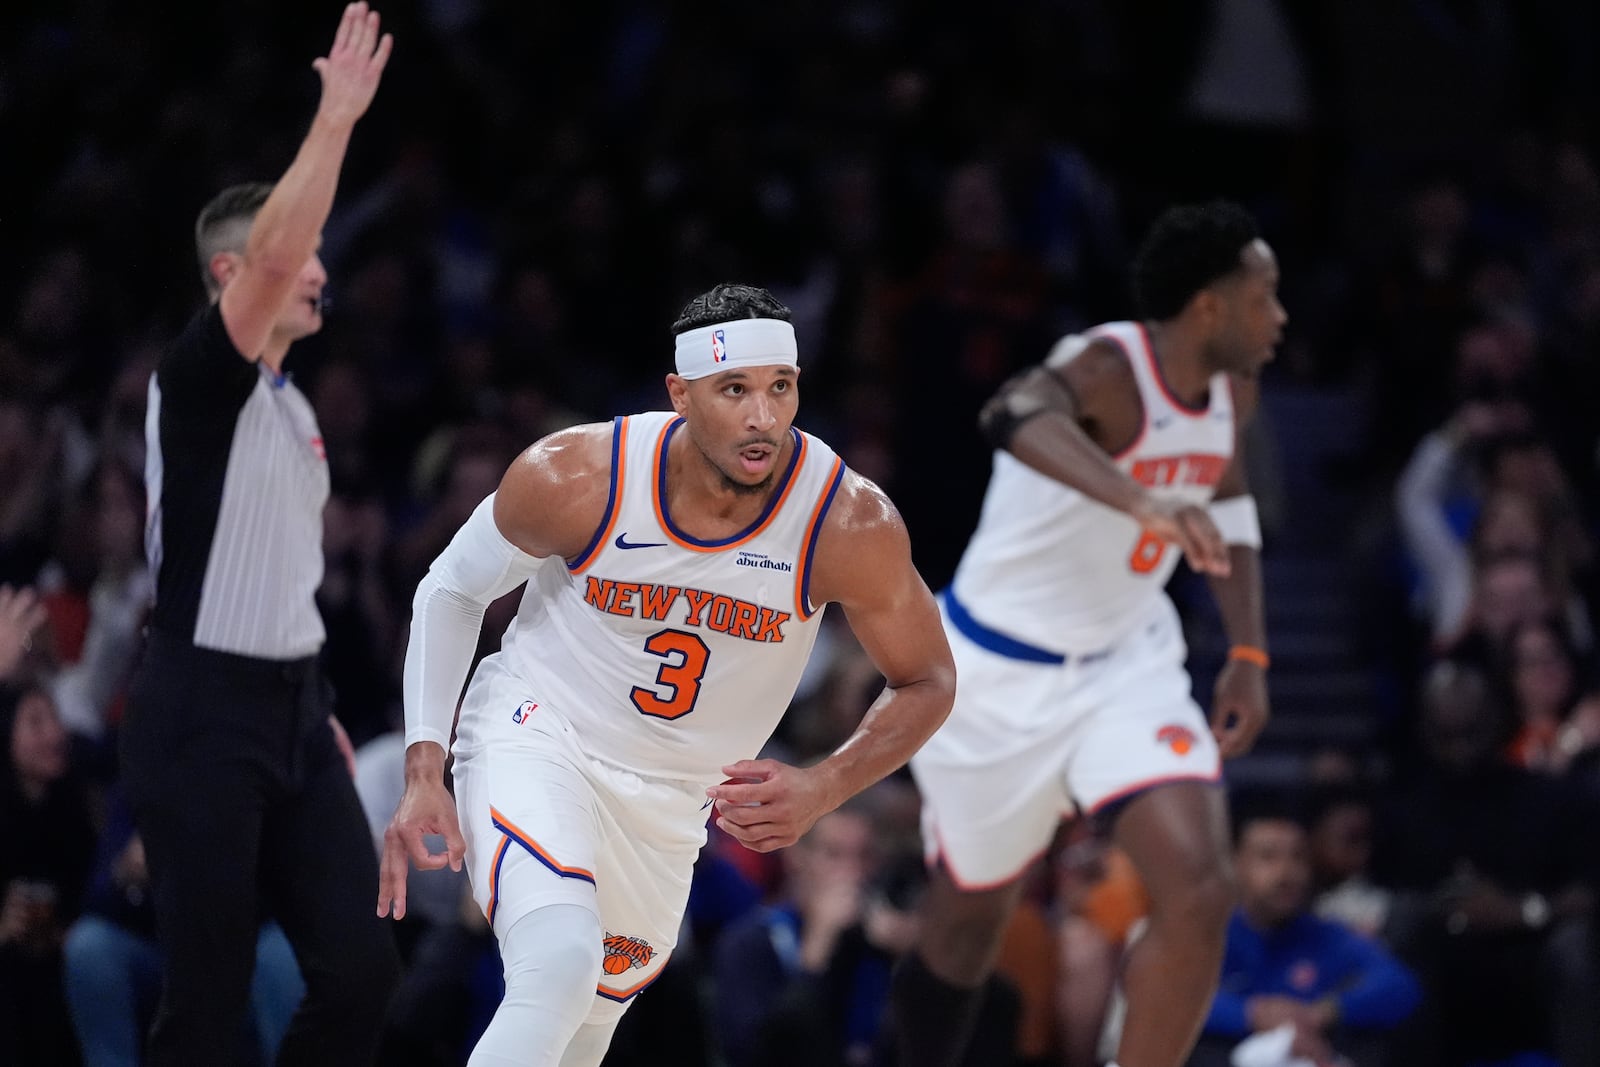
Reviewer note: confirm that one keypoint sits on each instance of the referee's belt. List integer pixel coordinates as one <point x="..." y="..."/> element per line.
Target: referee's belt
<point x="1004" y="644"/>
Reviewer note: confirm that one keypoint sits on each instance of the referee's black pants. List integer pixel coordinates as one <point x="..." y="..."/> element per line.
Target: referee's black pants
<point x="247" y="809"/>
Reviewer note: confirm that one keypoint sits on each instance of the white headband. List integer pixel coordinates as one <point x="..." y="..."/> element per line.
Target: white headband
<point x="723" y="346"/>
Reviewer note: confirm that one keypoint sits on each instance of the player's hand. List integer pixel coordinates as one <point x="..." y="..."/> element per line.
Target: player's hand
<point x="1239" y="709"/>
<point x="775" y="806"/>
<point x="352" y="67"/>
<point x="426" y="808"/>
<point x="1188" y="526"/>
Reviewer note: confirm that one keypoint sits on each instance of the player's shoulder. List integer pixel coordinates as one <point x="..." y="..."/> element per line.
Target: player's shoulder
<point x="583" y="449"/>
<point x="861" y="513"/>
<point x="1091" y="360"/>
<point x="863" y="539"/>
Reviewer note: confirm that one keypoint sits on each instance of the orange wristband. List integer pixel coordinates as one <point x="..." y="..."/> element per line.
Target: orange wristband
<point x="1251" y="654"/>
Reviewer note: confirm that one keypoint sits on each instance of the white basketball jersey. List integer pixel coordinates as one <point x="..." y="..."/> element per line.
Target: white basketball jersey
<point x="1052" y="568"/>
<point x="669" y="655"/>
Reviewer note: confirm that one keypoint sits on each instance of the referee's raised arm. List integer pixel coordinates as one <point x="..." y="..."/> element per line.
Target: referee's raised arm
<point x="237" y="771"/>
<point x="257" y="284"/>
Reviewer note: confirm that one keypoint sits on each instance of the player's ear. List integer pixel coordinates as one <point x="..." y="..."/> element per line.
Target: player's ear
<point x="678" y="393"/>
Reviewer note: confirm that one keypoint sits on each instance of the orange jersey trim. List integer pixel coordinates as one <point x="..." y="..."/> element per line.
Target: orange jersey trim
<point x="634" y="990"/>
<point x="511" y="830"/>
<point x="802" y="578"/>
<point x="1151" y="783"/>
<point x="619" y="453"/>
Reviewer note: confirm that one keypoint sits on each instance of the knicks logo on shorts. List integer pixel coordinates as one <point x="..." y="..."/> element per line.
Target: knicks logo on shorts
<point x="623" y="952"/>
<point x="1178" y="738"/>
<point x="524" y="712"/>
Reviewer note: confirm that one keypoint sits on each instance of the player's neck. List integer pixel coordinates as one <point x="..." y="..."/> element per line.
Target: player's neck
<point x="1179" y="352"/>
<point x="701" y="495"/>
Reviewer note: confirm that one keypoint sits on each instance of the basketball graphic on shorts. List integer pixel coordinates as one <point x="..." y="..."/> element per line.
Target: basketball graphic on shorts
<point x="622" y="952"/>
<point x="1178" y="738"/>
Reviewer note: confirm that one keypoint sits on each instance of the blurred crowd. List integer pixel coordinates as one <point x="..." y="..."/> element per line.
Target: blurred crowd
<point x="937" y="196"/>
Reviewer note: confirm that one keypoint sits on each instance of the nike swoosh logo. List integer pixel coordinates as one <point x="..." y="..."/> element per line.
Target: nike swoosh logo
<point x="623" y="542"/>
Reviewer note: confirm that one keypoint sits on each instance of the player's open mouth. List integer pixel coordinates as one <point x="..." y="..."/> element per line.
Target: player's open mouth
<point x="756" y="459"/>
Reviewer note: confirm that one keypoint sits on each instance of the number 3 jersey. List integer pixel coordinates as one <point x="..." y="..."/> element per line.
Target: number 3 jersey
<point x="1061" y="572"/>
<point x="670" y="655"/>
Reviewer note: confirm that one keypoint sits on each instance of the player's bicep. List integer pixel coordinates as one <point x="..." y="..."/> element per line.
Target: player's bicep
<point x="870" y="574"/>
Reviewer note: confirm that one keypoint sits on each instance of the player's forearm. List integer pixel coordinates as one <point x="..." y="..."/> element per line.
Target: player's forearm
<point x="897" y="724"/>
<point x="289" y="225"/>
<point x="1239" y="599"/>
<point x="1056" y="446"/>
<point x="444" y="639"/>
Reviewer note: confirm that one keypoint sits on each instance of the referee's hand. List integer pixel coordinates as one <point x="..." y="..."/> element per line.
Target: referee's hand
<point x="352" y="67"/>
<point x="425" y="808"/>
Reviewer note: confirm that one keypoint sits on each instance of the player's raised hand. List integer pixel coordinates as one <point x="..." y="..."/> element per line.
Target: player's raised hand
<point x="352" y="67"/>
<point x="773" y="806"/>
<point x="425" y="808"/>
<point x="1190" y="528"/>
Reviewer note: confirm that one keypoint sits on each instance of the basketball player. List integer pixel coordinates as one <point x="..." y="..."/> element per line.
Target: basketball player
<point x="1114" y="456"/>
<point x="677" y="567"/>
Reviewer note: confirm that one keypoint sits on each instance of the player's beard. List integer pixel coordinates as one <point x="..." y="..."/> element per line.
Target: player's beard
<point x="734" y="485"/>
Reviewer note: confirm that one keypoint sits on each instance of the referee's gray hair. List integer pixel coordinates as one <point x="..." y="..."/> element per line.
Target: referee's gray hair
<point x="224" y="225"/>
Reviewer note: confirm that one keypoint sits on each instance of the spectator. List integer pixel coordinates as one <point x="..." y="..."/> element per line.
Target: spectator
<point x="42" y="872"/>
<point x="1489" y="865"/>
<point x="1540" y="673"/>
<point x="1338" y="991"/>
<point x="1340" y="840"/>
<point x="806" y="981"/>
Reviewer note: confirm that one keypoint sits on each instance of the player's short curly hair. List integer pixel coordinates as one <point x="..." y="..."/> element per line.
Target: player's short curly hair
<point x="1189" y="247"/>
<point x="224" y="224"/>
<point x="724" y="303"/>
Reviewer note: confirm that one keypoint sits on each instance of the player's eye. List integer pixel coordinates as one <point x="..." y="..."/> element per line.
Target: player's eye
<point x="734" y="389"/>
<point x="781" y="385"/>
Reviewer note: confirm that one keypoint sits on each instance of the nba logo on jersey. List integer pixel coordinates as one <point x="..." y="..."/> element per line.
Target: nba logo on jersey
<point x="719" y="347"/>
<point x="524" y="712"/>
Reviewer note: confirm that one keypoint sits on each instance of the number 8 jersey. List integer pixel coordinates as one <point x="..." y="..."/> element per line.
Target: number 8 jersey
<point x="669" y="655"/>
<point x="1052" y="568"/>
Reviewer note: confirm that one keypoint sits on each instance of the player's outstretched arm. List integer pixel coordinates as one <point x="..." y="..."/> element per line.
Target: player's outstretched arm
<point x="547" y="508"/>
<point x="863" y="562"/>
<point x="1065" y="415"/>
<point x="289" y="224"/>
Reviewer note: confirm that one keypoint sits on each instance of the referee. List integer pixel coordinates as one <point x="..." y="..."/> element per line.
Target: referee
<point x="242" y="796"/>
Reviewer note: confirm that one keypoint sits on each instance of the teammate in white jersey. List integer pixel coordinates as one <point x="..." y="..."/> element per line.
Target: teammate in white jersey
<point x="677" y="566"/>
<point x="1072" y="694"/>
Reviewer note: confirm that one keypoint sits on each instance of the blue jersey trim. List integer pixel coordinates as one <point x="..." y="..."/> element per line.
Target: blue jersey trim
<point x="993" y="640"/>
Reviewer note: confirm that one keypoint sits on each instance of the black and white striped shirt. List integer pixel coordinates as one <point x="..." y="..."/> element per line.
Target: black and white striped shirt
<point x="236" y="481"/>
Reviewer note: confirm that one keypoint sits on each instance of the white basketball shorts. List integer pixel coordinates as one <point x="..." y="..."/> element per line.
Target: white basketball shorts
<point x="1030" y="741"/>
<point x="545" y="823"/>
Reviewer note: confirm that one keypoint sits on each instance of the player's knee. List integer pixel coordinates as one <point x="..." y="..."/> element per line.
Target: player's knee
<point x="555" y="951"/>
<point x="1201" y="902"/>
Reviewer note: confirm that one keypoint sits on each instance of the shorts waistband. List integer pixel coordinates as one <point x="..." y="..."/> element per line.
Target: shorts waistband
<point x="993" y="640"/>
<point x="178" y="650"/>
